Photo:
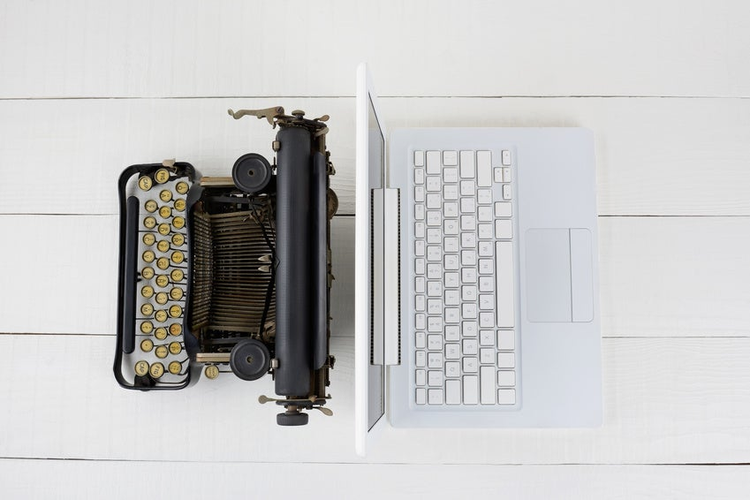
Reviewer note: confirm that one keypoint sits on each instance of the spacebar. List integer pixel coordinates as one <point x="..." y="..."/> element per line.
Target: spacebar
<point x="504" y="285"/>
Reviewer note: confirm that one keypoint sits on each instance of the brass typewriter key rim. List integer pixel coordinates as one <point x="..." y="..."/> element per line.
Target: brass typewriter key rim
<point x="163" y="228"/>
<point x="147" y="345"/>
<point x="175" y="311"/>
<point x="165" y="195"/>
<point x="162" y="263"/>
<point x="149" y="222"/>
<point x="175" y="329"/>
<point x="178" y="222"/>
<point x="211" y="372"/>
<point x="161" y="351"/>
<point x="178" y="257"/>
<point x="148" y="256"/>
<point x="150" y="206"/>
<point x="178" y="239"/>
<point x="141" y="368"/>
<point x="182" y="187"/>
<point x="165" y="212"/>
<point x="179" y="204"/>
<point x="176" y="293"/>
<point x="162" y="246"/>
<point x="160" y="333"/>
<point x="147" y="327"/>
<point x="147" y="291"/>
<point x="149" y="239"/>
<point x="145" y="183"/>
<point x="161" y="316"/>
<point x="162" y="280"/>
<point x="156" y="370"/>
<point x="147" y="309"/>
<point x="147" y="273"/>
<point x="175" y="348"/>
<point x="161" y="176"/>
<point x="175" y="367"/>
<point x="177" y="275"/>
<point x="161" y="298"/>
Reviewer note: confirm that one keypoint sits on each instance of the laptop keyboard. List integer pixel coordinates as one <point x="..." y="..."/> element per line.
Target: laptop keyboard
<point x="464" y="337"/>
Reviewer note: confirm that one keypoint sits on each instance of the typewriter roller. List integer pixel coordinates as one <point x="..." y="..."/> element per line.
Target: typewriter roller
<point x="231" y="274"/>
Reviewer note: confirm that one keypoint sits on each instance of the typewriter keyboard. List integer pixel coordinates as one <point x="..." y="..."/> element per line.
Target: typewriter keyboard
<point x="161" y="278"/>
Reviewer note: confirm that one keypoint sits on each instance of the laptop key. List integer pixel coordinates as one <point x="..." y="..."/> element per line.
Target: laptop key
<point x="487" y="378"/>
<point x="452" y="392"/>
<point x="471" y="389"/>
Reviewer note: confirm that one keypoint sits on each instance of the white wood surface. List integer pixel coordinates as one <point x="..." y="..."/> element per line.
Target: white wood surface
<point x="87" y="88"/>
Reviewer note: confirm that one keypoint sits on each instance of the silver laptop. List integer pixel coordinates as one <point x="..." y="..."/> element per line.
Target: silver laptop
<point x="476" y="276"/>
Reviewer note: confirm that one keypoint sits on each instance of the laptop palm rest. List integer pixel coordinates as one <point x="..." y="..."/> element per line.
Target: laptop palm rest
<point x="559" y="280"/>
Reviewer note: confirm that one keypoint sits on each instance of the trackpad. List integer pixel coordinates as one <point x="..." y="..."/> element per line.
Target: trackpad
<point x="559" y="284"/>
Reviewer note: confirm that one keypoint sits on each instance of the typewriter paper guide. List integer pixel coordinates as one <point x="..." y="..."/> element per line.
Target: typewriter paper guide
<point x="370" y="397"/>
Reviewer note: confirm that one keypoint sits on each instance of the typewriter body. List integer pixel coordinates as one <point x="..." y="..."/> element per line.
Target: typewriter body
<point x="220" y="273"/>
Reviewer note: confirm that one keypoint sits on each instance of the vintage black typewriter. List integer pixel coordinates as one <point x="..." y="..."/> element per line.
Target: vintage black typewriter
<point x="231" y="271"/>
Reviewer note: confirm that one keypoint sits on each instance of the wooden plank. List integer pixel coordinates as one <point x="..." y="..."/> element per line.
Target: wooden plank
<point x="189" y="48"/>
<point x="659" y="276"/>
<point x="654" y="156"/>
<point x="40" y="480"/>
<point x="679" y="400"/>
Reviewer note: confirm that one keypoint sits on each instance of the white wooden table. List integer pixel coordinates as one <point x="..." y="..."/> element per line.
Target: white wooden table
<point x="87" y="88"/>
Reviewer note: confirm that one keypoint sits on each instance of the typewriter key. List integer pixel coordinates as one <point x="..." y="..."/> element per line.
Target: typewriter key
<point x="149" y="222"/>
<point x="162" y="263"/>
<point x="156" y="370"/>
<point x="182" y="187"/>
<point x="175" y="311"/>
<point x="148" y="256"/>
<point x="163" y="229"/>
<point x="161" y="298"/>
<point x="212" y="371"/>
<point x="145" y="183"/>
<point x="178" y="240"/>
<point x="161" y="316"/>
<point x="161" y="351"/>
<point x="147" y="327"/>
<point x="179" y="204"/>
<point x="165" y="212"/>
<point x="141" y="368"/>
<point x="177" y="275"/>
<point x="149" y="239"/>
<point x="178" y="222"/>
<point x="175" y="329"/>
<point x="147" y="291"/>
<point x="151" y="206"/>
<point x="160" y="333"/>
<point x="162" y="280"/>
<point x="175" y="367"/>
<point x="162" y="246"/>
<point x="161" y="175"/>
<point x="175" y="348"/>
<point x="165" y="195"/>
<point x="147" y="273"/>
<point x="147" y="309"/>
<point x="176" y="293"/>
<point x="178" y="257"/>
<point x="147" y="345"/>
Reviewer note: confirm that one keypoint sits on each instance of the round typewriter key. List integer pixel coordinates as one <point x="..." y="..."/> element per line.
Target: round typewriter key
<point x="141" y="368"/>
<point x="161" y="298"/>
<point x="178" y="257"/>
<point x="162" y="263"/>
<point x="178" y="240"/>
<point x="161" y="175"/>
<point x="165" y="195"/>
<point x="163" y="229"/>
<point x="147" y="327"/>
<point x="162" y="246"/>
<point x="160" y="333"/>
<point x="178" y="222"/>
<point x="165" y="212"/>
<point x="145" y="183"/>
<point x="175" y="367"/>
<point x="151" y="206"/>
<point x="147" y="273"/>
<point x="182" y="187"/>
<point x="177" y="275"/>
<point x="147" y="309"/>
<point x="147" y="345"/>
<point x="161" y="316"/>
<point x="161" y="351"/>
<point x="175" y="311"/>
<point x="162" y="280"/>
<point x="156" y="370"/>
<point x="179" y="204"/>
<point x="175" y="329"/>
<point x="175" y="347"/>
<point x="147" y="291"/>
<point x="149" y="222"/>
<point x="148" y="256"/>
<point x="149" y="239"/>
<point x="176" y="293"/>
<point x="212" y="371"/>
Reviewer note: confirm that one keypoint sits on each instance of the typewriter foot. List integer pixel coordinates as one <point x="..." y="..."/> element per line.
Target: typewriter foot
<point x="292" y="417"/>
<point x="250" y="359"/>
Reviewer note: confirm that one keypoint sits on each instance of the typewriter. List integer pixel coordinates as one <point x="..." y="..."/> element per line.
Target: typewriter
<point x="221" y="274"/>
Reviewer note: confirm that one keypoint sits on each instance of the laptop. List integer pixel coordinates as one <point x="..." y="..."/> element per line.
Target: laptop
<point x="476" y="295"/>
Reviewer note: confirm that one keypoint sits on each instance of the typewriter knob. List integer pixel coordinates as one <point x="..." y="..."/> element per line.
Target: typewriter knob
<point x="250" y="359"/>
<point x="251" y="173"/>
<point x="292" y="417"/>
